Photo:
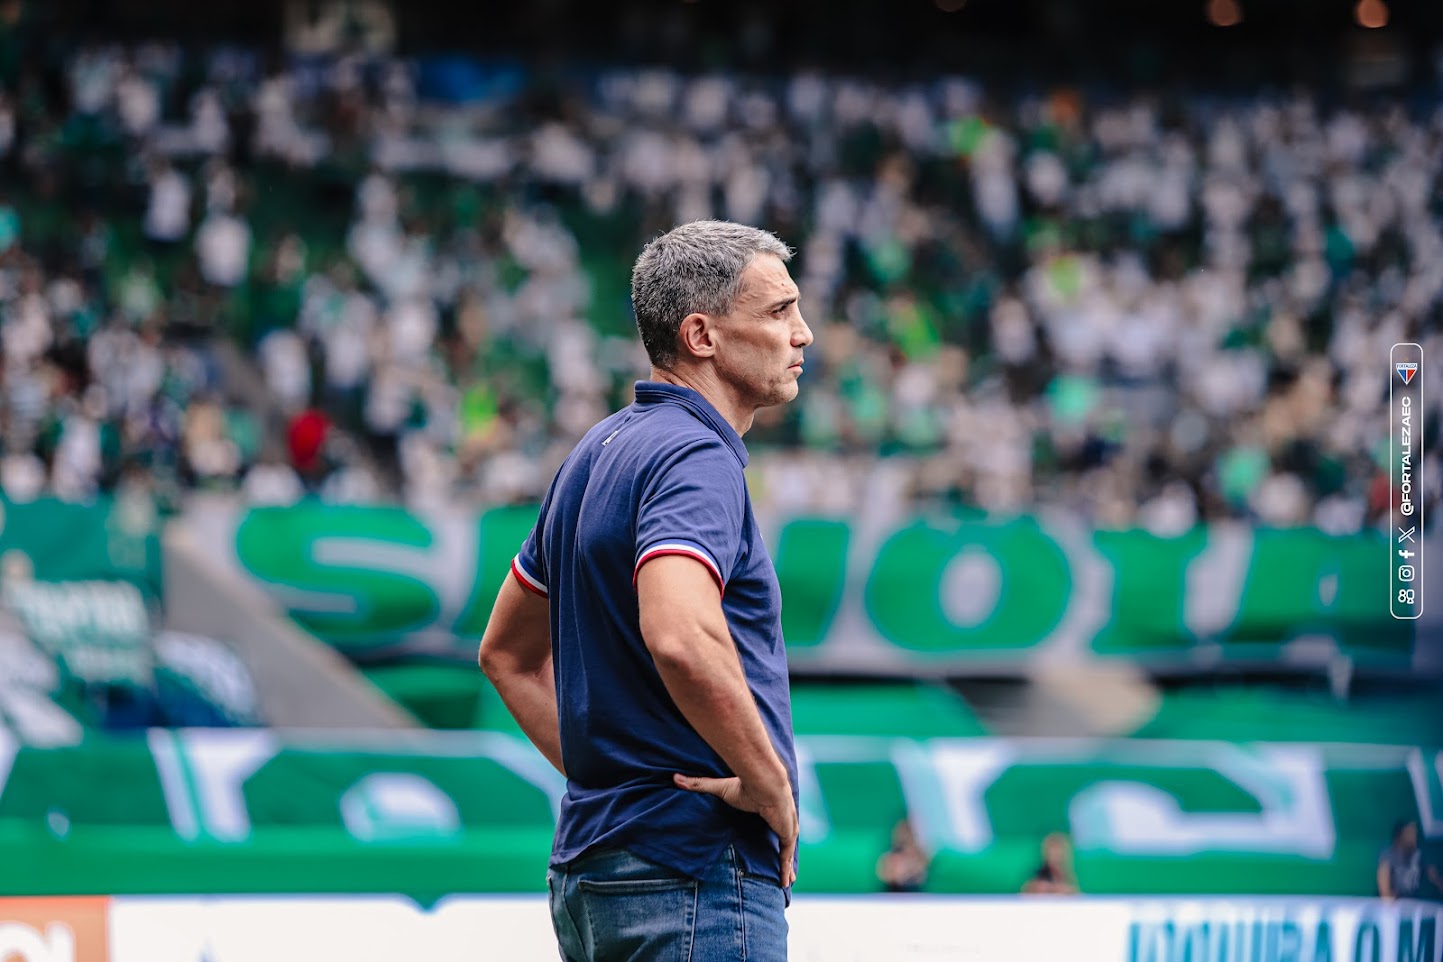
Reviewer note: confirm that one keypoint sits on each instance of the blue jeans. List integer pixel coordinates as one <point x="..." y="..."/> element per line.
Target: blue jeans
<point x="612" y="906"/>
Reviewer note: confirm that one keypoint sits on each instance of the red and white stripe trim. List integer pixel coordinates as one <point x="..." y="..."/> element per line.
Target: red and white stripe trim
<point x="676" y="547"/>
<point x="528" y="582"/>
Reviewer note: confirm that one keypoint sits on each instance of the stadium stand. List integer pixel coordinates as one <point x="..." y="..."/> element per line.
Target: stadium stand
<point x="1151" y="312"/>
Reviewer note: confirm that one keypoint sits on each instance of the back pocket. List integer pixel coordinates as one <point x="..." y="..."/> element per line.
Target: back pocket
<point x="640" y="918"/>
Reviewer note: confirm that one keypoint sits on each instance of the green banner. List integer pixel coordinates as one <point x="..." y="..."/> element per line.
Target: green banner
<point x="868" y="594"/>
<point x="250" y="811"/>
<point x="52" y="540"/>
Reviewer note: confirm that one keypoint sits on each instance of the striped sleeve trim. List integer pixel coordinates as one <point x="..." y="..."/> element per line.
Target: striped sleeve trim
<point x="691" y="551"/>
<point x="528" y="582"/>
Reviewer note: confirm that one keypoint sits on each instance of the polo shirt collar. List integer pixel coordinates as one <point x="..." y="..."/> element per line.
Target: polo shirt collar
<point x="661" y="392"/>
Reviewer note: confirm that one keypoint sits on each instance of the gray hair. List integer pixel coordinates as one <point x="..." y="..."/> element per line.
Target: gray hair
<point x="692" y="269"/>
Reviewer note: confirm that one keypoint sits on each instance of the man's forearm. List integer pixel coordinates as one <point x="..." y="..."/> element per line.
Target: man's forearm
<point x="530" y="696"/>
<point x="705" y="679"/>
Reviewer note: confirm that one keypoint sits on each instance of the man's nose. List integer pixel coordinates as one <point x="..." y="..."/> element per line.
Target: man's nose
<point x="803" y="335"/>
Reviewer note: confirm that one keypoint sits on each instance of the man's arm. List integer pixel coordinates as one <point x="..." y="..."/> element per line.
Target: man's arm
<point x="516" y="655"/>
<point x="685" y="630"/>
<point x="1385" y="882"/>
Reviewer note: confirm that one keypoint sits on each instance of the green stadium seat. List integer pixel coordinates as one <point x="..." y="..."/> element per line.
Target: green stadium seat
<point x="902" y="709"/>
<point x="1259" y="713"/>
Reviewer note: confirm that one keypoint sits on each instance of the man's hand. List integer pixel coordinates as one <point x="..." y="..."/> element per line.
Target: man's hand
<point x="776" y="808"/>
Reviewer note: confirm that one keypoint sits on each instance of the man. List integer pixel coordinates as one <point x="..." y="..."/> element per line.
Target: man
<point x="639" y="643"/>
<point x="1400" y="866"/>
<point x="1055" y="875"/>
<point x="903" y="867"/>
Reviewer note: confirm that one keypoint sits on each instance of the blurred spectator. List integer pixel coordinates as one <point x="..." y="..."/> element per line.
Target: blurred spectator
<point x="167" y="216"/>
<point x="223" y="246"/>
<point x="307" y="440"/>
<point x="1154" y="312"/>
<point x="1401" y="867"/>
<point x="903" y="867"/>
<point x="1054" y="876"/>
<point x="272" y="481"/>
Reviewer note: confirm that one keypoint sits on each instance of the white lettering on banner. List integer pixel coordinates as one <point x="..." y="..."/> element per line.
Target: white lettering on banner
<point x="80" y="606"/>
<point x="813" y="824"/>
<point x="1215" y="581"/>
<point x="393" y="805"/>
<point x="430" y="581"/>
<point x="117" y="609"/>
<point x="1296" y="817"/>
<point x="447" y="565"/>
<point x="971" y="587"/>
<point x="202" y="774"/>
<point x="945" y="783"/>
<point x="1354" y="930"/>
<point x="180" y="802"/>
<point x="21" y="943"/>
<point x="34" y="716"/>
<point x="9" y="748"/>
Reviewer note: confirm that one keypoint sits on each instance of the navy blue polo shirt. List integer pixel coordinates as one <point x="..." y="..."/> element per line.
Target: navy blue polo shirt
<point x="662" y="476"/>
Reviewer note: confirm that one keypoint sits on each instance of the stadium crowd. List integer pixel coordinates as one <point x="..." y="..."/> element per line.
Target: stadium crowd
<point x="1149" y="311"/>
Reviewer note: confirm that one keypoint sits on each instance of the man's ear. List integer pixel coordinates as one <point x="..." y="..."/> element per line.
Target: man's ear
<point x="697" y="336"/>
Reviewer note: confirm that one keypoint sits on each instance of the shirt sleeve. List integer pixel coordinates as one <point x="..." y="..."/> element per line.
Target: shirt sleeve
<point x="529" y="565"/>
<point x="694" y="506"/>
<point x="527" y="568"/>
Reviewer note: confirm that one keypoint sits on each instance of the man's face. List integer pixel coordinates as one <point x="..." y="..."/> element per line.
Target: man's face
<point x="1408" y="838"/>
<point x="759" y="351"/>
<point x="1056" y="850"/>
